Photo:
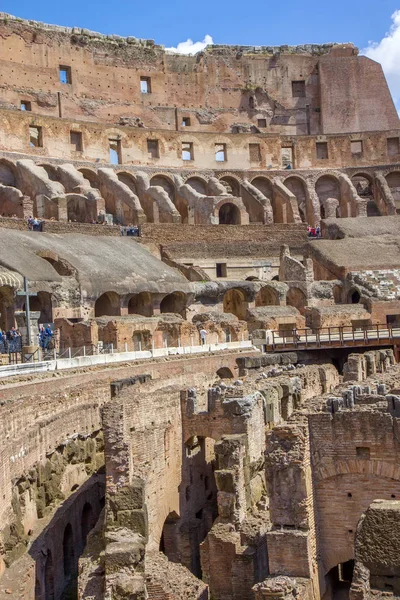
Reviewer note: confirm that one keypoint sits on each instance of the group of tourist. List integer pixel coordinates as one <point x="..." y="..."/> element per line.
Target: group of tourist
<point x="10" y="341"/>
<point x="314" y="232"/>
<point x="35" y="224"/>
<point x="130" y="230"/>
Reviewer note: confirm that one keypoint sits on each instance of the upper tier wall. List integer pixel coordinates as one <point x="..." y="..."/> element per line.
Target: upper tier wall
<point x="275" y="90"/>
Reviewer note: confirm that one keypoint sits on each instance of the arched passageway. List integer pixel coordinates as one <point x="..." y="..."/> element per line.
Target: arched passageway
<point x="267" y="297"/>
<point x="80" y="209"/>
<point x="232" y="185"/>
<point x="87" y="521"/>
<point x="141" y="340"/>
<point x="225" y="373"/>
<point x="364" y="189"/>
<point x="141" y="304"/>
<point x="297" y="298"/>
<point x="354" y="297"/>
<point x="235" y="302"/>
<point x="49" y="578"/>
<point x="298" y="188"/>
<point x="91" y="177"/>
<point x="169" y="542"/>
<point x="229" y="214"/>
<point x="108" y="304"/>
<point x="174" y="303"/>
<point x="197" y="184"/>
<point x="41" y="303"/>
<point x="7" y="307"/>
<point x="328" y="192"/>
<point x="128" y="180"/>
<point x="8" y="173"/>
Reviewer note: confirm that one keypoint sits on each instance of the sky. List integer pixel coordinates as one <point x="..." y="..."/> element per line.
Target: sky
<point x="372" y="25"/>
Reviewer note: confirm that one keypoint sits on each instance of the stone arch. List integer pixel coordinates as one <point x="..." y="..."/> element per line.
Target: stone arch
<point x="91" y="176"/>
<point x="225" y="373"/>
<point x="49" y="578"/>
<point x="328" y="191"/>
<point x="297" y="298"/>
<point x="229" y="214"/>
<point x="108" y="304"/>
<point x="8" y="173"/>
<point x="80" y="209"/>
<point x="364" y="187"/>
<point x="354" y="296"/>
<point x="232" y="185"/>
<point x="267" y="296"/>
<point x="169" y="540"/>
<point x="87" y="521"/>
<point x="129" y="180"/>
<point x="298" y="187"/>
<point x="51" y="170"/>
<point x="68" y="552"/>
<point x="42" y="303"/>
<point x="141" y="304"/>
<point x="264" y="185"/>
<point x="166" y="183"/>
<point x="174" y="303"/>
<point x="393" y="181"/>
<point x="63" y="267"/>
<point x="236" y="303"/>
<point x="198" y="184"/>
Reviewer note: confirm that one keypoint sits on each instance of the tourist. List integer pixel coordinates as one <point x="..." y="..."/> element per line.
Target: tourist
<point x="30" y="223"/>
<point x="47" y="336"/>
<point x="318" y="231"/>
<point x="203" y="336"/>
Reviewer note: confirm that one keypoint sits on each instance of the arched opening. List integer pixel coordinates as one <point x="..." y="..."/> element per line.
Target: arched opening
<point x="354" y="297"/>
<point x="297" y="298"/>
<point x="174" y="303"/>
<point x="108" y="305"/>
<point x="51" y="171"/>
<point x="128" y="180"/>
<point x="198" y="498"/>
<point x="141" y="304"/>
<point x="266" y="297"/>
<point x="229" y="214"/>
<point x="62" y="267"/>
<point x="328" y="192"/>
<point x="49" y="578"/>
<point x="264" y="186"/>
<point x="235" y="302"/>
<point x="298" y="188"/>
<point x="363" y="185"/>
<point x="91" y="177"/>
<point x="7" y="173"/>
<point x="166" y="184"/>
<point x="87" y="521"/>
<point x="68" y="552"/>
<point x="252" y="278"/>
<point x="393" y="181"/>
<point x="7" y="307"/>
<point x="197" y="184"/>
<point x="80" y="209"/>
<point x="251" y="102"/>
<point x="225" y="373"/>
<point x="338" y="581"/>
<point x="41" y="303"/>
<point x="169" y="541"/>
<point x="232" y="185"/>
<point x="141" y="341"/>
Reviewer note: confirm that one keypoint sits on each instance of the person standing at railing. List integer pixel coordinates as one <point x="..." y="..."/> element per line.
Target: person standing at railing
<point x="203" y="336"/>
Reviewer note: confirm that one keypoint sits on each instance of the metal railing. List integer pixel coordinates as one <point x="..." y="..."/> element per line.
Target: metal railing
<point x="328" y="337"/>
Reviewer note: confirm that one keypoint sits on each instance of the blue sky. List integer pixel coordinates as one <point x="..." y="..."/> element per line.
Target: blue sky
<point x="373" y="25"/>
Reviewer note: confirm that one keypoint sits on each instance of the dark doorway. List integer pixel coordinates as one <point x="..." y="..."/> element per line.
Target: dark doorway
<point x="229" y="214"/>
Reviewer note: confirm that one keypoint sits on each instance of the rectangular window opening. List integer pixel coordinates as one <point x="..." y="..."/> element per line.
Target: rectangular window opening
<point x="76" y="140"/>
<point x="65" y="74"/>
<point x="393" y="146"/>
<point x="220" y="269"/>
<point x="185" y="121"/>
<point x="363" y="452"/>
<point x="145" y="85"/>
<point x="115" y="151"/>
<point x="261" y="123"/>
<point x="35" y="137"/>
<point x="322" y="150"/>
<point x="287" y="157"/>
<point x="220" y="152"/>
<point x="26" y="105"/>
<point x="255" y="153"/>
<point x="298" y="89"/>
<point x="356" y="147"/>
<point x="153" y="148"/>
<point x="187" y="151"/>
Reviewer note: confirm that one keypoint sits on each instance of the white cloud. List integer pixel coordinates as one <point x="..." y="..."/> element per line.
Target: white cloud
<point x="387" y="52"/>
<point x="191" y="47"/>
